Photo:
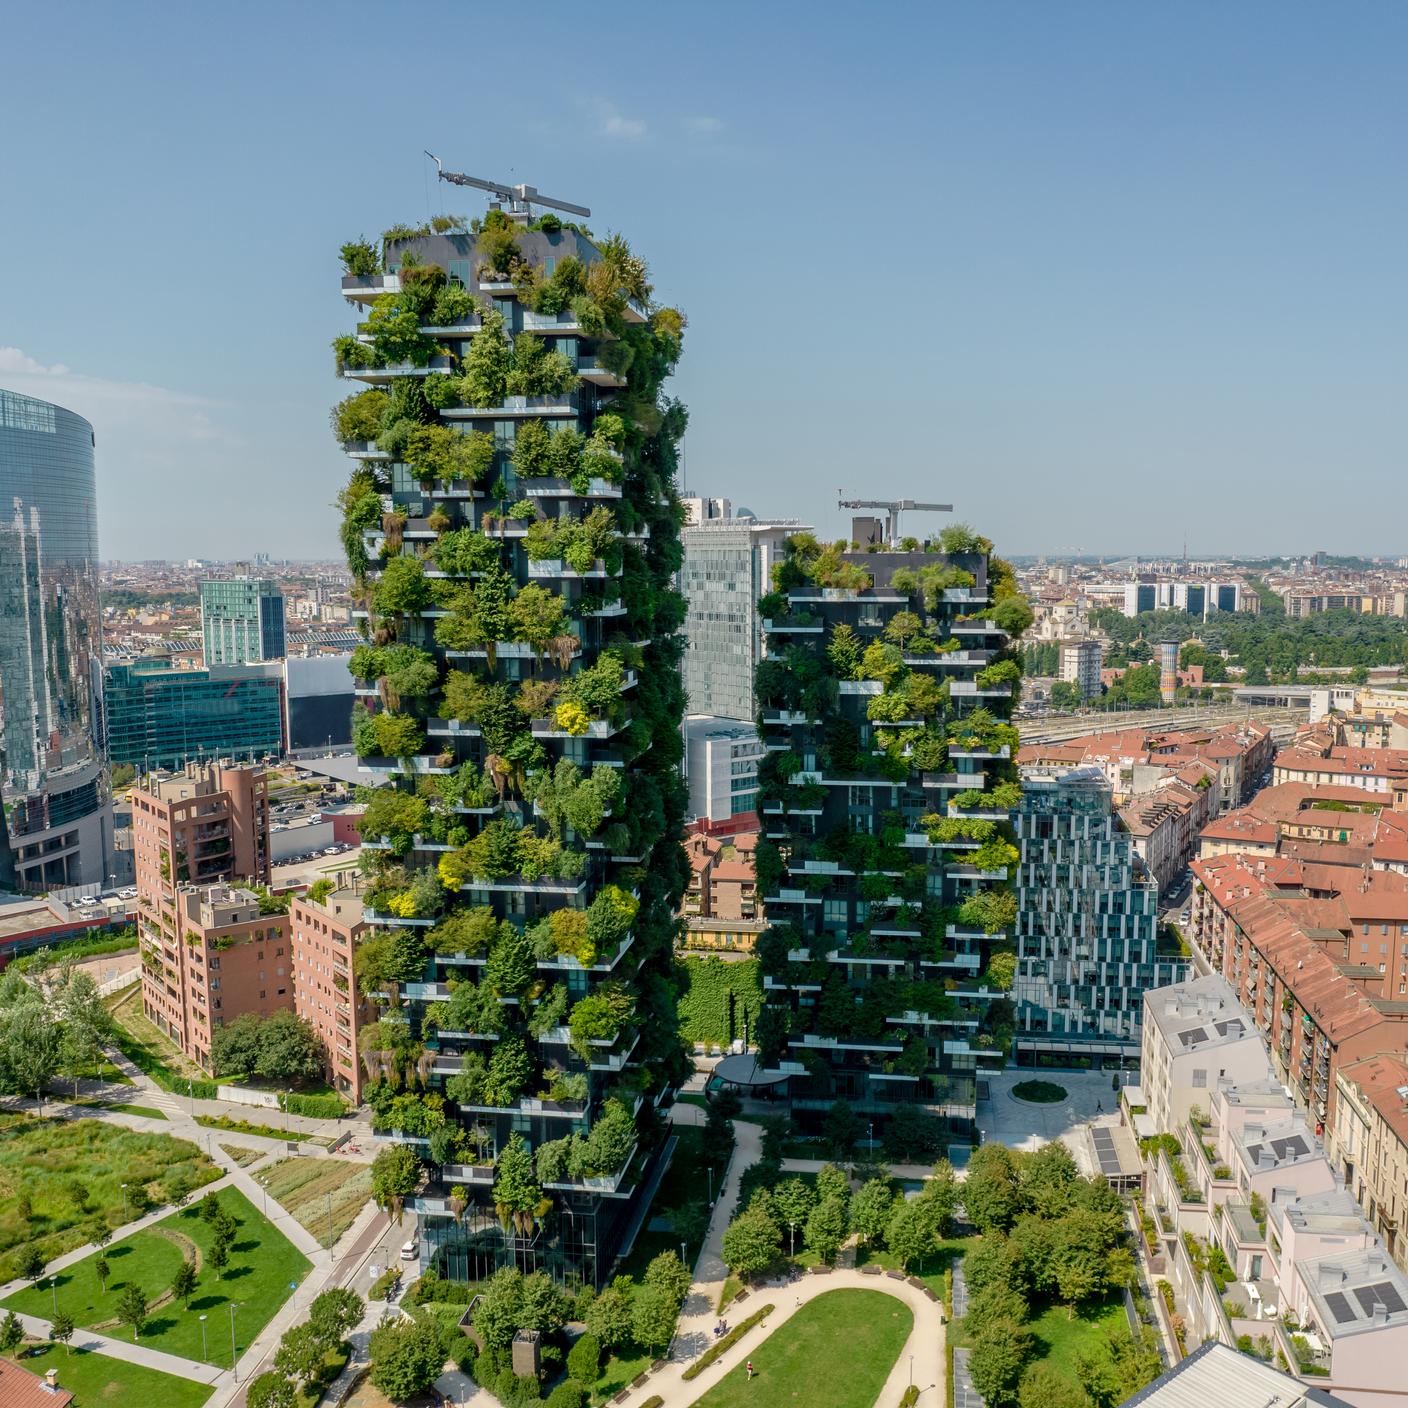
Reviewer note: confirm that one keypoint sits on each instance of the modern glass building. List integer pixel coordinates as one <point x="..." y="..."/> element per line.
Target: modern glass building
<point x="55" y="789"/>
<point x="242" y="620"/>
<point x="727" y="562"/>
<point x="318" y="702"/>
<point x="1087" y="926"/>
<point x="161" y="717"/>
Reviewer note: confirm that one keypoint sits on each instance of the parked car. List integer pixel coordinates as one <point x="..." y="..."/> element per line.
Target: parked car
<point x="408" y="1252"/>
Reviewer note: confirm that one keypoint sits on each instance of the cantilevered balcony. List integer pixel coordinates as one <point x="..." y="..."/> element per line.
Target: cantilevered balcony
<point x="366" y="288"/>
<point x="393" y="370"/>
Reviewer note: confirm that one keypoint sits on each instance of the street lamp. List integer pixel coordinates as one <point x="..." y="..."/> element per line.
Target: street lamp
<point x="203" y="1354"/>
<point x="709" y="1169"/>
<point x="234" y="1365"/>
<point x="791" y="1238"/>
<point x="911" y="1371"/>
<point x="684" y="1255"/>
<point x="54" y="1288"/>
<point x="287" y="1093"/>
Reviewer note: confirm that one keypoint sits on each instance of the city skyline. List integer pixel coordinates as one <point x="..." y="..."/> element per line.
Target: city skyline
<point x="1163" y="257"/>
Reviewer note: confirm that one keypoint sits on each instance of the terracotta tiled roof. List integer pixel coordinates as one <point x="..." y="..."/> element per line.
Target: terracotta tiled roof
<point x="21" y="1389"/>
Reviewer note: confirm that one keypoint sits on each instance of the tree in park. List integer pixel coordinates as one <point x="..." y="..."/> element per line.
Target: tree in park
<point x="11" y="1333"/>
<point x="1079" y="1261"/>
<point x="842" y="1128"/>
<point x="271" y="1390"/>
<point x="717" y="1142"/>
<point x="31" y="1264"/>
<point x="995" y="1261"/>
<point x="584" y="1358"/>
<point x="910" y="1231"/>
<point x="653" y="1316"/>
<point x="499" y="1313"/>
<point x="84" y="1024"/>
<point x="1000" y="1352"/>
<point x="826" y="1228"/>
<point x="1043" y="1386"/>
<point x="184" y="1282"/>
<point x="871" y="1209"/>
<point x="609" y="1321"/>
<point x="1119" y="1367"/>
<point x="690" y="1223"/>
<point x="794" y="1199"/>
<point x="334" y="1313"/>
<point x="288" y="1049"/>
<point x="752" y="1242"/>
<point x="132" y="1309"/>
<point x="407" y="1355"/>
<point x="995" y="1303"/>
<point x="218" y="1258"/>
<point x="544" y="1304"/>
<point x="30" y="1043"/>
<point x="61" y="1330"/>
<point x="990" y="1193"/>
<point x="396" y="1173"/>
<point x="301" y="1353"/>
<point x="940" y="1193"/>
<point x="832" y="1182"/>
<point x="101" y="1271"/>
<point x="669" y="1275"/>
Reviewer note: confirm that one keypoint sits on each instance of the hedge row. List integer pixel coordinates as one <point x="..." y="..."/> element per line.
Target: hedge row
<point x="718" y="999"/>
<point x="728" y="1341"/>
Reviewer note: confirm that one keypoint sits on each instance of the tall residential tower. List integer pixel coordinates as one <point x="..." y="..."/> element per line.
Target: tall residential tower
<point x="512" y="522"/>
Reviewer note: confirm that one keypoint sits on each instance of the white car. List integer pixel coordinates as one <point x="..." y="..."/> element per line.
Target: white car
<point x="127" y="894"/>
<point x="329" y="850"/>
<point x="408" y="1252"/>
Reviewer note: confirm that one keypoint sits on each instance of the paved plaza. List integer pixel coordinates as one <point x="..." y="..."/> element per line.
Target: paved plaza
<point x="1023" y="1124"/>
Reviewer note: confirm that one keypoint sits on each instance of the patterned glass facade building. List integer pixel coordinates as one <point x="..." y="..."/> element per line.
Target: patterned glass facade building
<point x="160" y="717"/>
<point x="242" y="620"/>
<point x="1087" y="925"/>
<point x="55" y="786"/>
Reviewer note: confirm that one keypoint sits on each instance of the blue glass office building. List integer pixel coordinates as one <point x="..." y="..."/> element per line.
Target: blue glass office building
<point x="54" y="783"/>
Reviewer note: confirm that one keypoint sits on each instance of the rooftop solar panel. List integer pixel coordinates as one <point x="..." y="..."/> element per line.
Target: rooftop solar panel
<point x="1382" y="1293"/>
<point x="1340" y="1308"/>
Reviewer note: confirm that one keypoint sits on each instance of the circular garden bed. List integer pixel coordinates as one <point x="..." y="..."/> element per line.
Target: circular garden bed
<point x="1039" y="1092"/>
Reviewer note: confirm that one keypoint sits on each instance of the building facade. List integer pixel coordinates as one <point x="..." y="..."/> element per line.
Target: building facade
<point x="721" y="762"/>
<point x="1368" y="1143"/>
<point x="160" y="717"/>
<point x="1080" y="666"/>
<point x="324" y="932"/>
<point x="242" y="620"/>
<point x="318" y="701"/>
<point x="884" y="865"/>
<point x="726" y="569"/>
<point x="1087" y="926"/>
<point x="54" y="783"/>
<point x="529" y="723"/>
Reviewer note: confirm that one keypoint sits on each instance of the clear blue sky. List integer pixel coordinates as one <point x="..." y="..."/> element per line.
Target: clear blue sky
<point x="1103" y="274"/>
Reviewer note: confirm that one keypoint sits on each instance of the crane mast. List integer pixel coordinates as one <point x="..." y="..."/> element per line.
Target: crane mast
<point x="893" y="508"/>
<point x="520" y="197"/>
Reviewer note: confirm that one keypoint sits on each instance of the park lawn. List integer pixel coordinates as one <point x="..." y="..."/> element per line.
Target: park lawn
<point x="304" y="1185"/>
<point x="264" y="1131"/>
<point x="72" y="1172"/>
<point x="144" y="1044"/>
<point x="835" y="1352"/>
<point x="616" y="1374"/>
<point x="150" y="1111"/>
<point x="263" y="1264"/>
<point x="96" y="1380"/>
<point x="1060" y="1339"/>
<point x="929" y="1269"/>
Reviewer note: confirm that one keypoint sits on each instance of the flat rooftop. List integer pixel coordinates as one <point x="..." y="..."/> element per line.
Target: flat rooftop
<point x="1198" y="1014"/>
<point x="1357" y="1292"/>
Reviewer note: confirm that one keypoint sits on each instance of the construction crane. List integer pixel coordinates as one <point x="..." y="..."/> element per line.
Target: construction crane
<point x="519" y="197"/>
<point x="893" y="508"/>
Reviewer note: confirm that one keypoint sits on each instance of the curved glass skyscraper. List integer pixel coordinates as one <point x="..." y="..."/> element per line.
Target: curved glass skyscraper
<point x="54" y="783"/>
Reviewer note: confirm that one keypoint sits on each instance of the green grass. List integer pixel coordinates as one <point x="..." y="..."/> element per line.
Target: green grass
<point x="1040" y="1092"/>
<point x="72" y="1172"/>
<point x="616" y="1374"/>
<point x="262" y="1264"/>
<point x="142" y="1042"/>
<point x="692" y="1097"/>
<point x="242" y="1154"/>
<point x="150" y="1111"/>
<point x="835" y="1352"/>
<point x="1060" y="1339"/>
<point x="265" y="1131"/>
<point x="96" y="1380"/>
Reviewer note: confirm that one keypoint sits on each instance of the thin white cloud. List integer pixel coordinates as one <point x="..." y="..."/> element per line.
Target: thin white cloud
<point x="613" y="123"/>
<point x="704" y="126"/>
<point x="132" y="411"/>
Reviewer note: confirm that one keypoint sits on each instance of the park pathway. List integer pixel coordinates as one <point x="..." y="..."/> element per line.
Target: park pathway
<point x="923" y="1352"/>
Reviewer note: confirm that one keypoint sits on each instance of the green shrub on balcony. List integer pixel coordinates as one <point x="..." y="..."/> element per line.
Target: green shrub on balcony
<point x="453" y="305"/>
<point x="359" y="417"/>
<point x="463" y="552"/>
<point x="535" y="370"/>
<point x="600" y="1016"/>
<point x="435" y="453"/>
<point x="361" y="259"/>
<point x="402" y="589"/>
<point x="406" y="670"/>
<point x="392" y="816"/>
<point x="385" y="734"/>
<point x="393" y="325"/>
<point x="487" y="363"/>
<point x="351" y="354"/>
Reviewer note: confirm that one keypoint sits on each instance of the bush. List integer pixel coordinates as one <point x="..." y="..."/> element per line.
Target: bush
<point x="584" y="1359"/>
<point x="568" y="1394"/>
<point x="316" y="1107"/>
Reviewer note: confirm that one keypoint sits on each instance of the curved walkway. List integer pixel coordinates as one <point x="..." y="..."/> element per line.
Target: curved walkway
<point x="695" y="1332"/>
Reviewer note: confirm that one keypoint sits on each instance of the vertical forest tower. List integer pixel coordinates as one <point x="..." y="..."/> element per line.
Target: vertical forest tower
<point x="886" y="859"/>
<point x="512" y="522"/>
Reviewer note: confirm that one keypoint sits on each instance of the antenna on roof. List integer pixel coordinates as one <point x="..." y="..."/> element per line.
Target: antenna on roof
<point x="519" y="197"/>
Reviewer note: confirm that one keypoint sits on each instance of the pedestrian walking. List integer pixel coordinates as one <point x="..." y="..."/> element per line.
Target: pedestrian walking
<point x="750" y="1370"/>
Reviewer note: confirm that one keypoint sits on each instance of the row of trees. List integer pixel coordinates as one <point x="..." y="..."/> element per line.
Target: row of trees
<point x="53" y="1025"/>
<point x="1049" y="1237"/>
<point x="278" y="1047"/>
<point x="309" y="1350"/>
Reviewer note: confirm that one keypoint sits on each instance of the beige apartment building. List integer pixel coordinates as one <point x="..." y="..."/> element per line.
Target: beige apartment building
<point x="1368" y="1143"/>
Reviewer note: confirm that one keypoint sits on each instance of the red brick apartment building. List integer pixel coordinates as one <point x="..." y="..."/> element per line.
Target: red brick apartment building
<point x="325" y="934"/>
<point x="207" y="952"/>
